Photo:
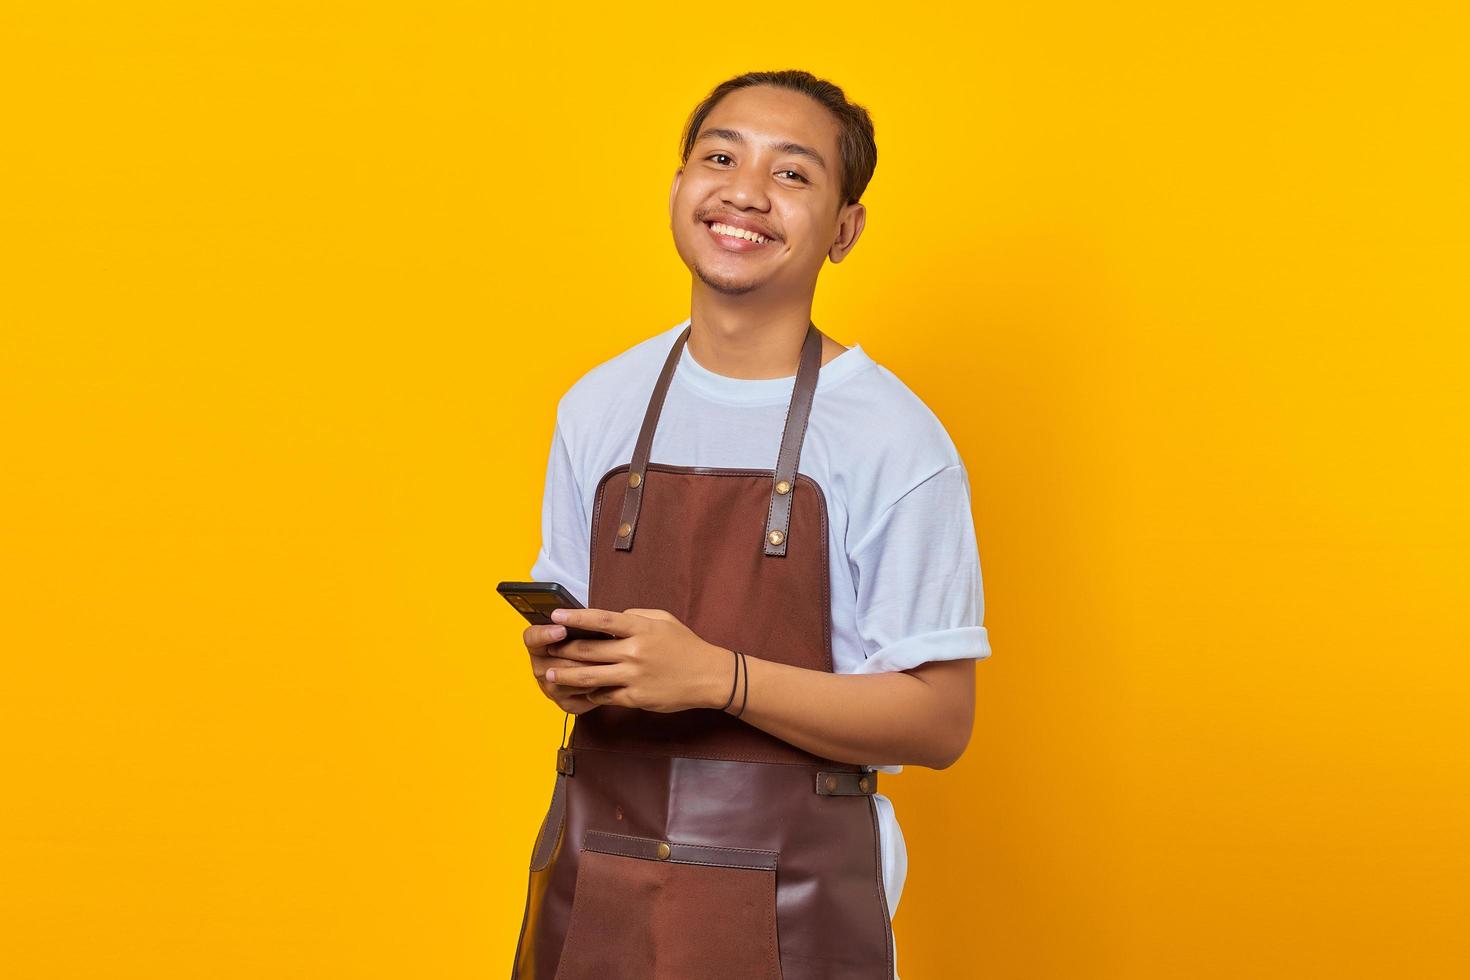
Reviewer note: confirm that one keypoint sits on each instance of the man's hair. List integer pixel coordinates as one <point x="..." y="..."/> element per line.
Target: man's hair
<point x="854" y="141"/>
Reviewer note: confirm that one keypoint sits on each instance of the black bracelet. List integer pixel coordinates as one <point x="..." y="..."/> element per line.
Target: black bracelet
<point x="746" y="693"/>
<point x="734" y="681"/>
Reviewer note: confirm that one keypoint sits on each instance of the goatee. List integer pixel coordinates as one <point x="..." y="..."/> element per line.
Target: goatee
<point x="728" y="287"/>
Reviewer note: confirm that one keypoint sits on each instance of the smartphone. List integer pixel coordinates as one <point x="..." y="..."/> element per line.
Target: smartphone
<point x="535" y="600"/>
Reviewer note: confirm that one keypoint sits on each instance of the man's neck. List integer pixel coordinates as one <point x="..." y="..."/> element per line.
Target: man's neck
<point x="741" y="337"/>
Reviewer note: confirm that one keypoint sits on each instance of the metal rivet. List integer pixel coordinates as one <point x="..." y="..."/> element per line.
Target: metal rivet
<point x="863" y="784"/>
<point x="831" y="783"/>
<point x="634" y="479"/>
<point x="663" y="851"/>
<point x="775" y="537"/>
<point x="625" y="529"/>
<point x="783" y="487"/>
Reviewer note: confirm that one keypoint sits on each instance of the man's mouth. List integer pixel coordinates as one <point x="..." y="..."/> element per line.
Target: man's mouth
<point x="720" y="228"/>
<point x="735" y="239"/>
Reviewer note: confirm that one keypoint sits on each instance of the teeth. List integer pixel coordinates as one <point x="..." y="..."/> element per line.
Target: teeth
<point x="738" y="232"/>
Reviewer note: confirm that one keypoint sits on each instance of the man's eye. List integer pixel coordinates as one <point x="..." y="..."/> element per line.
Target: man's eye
<point x="713" y="155"/>
<point x="796" y="175"/>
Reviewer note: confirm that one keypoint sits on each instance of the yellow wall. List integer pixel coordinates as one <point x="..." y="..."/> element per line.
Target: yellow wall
<point x="290" y="292"/>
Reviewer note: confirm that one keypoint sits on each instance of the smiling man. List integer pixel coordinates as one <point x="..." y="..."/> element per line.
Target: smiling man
<point x="775" y="533"/>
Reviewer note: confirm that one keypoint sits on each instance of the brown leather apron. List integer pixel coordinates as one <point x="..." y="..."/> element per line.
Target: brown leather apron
<point x="691" y="844"/>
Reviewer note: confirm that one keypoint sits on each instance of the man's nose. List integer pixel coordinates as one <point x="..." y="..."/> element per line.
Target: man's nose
<point x="745" y="187"/>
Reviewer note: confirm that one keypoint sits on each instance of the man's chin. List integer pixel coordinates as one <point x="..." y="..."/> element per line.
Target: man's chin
<point x="726" y="285"/>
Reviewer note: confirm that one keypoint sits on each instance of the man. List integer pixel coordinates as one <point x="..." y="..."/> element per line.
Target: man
<point x="780" y="636"/>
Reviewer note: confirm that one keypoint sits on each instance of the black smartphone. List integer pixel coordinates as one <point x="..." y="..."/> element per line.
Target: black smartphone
<point x="535" y="600"/>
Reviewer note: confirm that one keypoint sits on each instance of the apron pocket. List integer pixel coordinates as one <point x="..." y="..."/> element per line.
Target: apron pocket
<point x="648" y="909"/>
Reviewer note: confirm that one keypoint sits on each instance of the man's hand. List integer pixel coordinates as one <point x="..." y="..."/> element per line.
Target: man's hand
<point x="538" y="640"/>
<point x="655" y="663"/>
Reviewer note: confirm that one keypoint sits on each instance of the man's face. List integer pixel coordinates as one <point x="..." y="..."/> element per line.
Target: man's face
<point x="748" y="170"/>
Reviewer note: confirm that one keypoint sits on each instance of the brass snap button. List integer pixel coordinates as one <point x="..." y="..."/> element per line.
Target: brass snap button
<point x="831" y="783"/>
<point x="863" y="784"/>
<point x="634" y="479"/>
<point x="783" y="487"/>
<point x="775" y="537"/>
<point x="625" y="529"/>
<point x="663" y="851"/>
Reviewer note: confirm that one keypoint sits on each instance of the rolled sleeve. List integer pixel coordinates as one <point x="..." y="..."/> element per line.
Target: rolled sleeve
<point x="920" y="597"/>
<point x="960" y="643"/>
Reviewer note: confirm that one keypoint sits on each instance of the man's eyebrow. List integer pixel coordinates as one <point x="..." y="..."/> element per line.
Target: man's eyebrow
<point x="735" y="136"/>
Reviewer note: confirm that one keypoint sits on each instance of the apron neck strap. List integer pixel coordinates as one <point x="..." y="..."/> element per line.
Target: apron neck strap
<point x="783" y="483"/>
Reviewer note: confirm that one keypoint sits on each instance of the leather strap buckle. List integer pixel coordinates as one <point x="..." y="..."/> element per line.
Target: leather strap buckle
<point x="847" y="783"/>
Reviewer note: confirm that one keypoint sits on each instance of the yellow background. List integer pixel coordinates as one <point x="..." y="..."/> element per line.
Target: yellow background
<point x="290" y="292"/>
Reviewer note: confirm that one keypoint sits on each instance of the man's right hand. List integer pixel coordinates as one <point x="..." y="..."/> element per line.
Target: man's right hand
<point x="539" y="640"/>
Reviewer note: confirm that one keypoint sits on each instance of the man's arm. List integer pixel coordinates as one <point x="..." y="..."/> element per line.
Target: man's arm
<point x="919" y="609"/>
<point x="922" y="716"/>
<point x="919" y="715"/>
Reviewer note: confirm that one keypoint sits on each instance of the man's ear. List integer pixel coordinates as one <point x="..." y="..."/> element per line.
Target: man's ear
<point x="673" y="193"/>
<point x="850" y="221"/>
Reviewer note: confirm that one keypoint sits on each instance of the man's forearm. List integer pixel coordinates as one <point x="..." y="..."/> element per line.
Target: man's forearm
<point x="892" y="718"/>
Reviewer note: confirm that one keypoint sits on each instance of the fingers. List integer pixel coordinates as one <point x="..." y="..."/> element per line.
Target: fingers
<point x="539" y="667"/>
<point x="619" y="696"/>
<point x="602" y="620"/>
<point x="539" y="664"/>
<point x="576" y="700"/>
<point x="571" y="699"/>
<point x="589" y="651"/>
<point x="538" y="636"/>
<point x="584" y="677"/>
<point x="576" y="704"/>
<point x="549" y="650"/>
<point x="541" y="640"/>
<point x="553" y="690"/>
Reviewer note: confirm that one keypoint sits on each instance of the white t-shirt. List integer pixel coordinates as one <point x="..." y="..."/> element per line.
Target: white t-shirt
<point x="905" y="570"/>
